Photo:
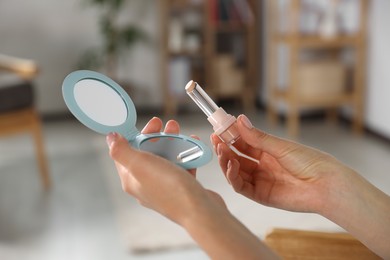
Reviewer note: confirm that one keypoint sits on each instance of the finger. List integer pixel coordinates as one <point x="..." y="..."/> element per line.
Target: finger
<point x="122" y="153"/>
<point x="224" y="155"/>
<point x="172" y="127"/>
<point x="232" y="173"/>
<point x="126" y="179"/>
<point x="262" y="141"/>
<point x="234" y="177"/>
<point x="153" y="126"/>
<point x="214" y="139"/>
<point x="120" y="169"/>
<point x="246" y="164"/>
<point x="195" y="137"/>
<point x="239" y="144"/>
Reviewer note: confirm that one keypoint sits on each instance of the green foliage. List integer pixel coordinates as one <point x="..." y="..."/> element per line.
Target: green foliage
<point x="111" y="4"/>
<point x="115" y="38"/>
<point x="91" y="59"/>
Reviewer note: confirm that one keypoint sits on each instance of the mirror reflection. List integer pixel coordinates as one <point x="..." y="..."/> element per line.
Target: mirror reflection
<point x="100" y="102"/>
<point x="173" y="149"/>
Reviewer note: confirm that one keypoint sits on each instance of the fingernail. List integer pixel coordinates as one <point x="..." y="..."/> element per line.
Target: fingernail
<point x="219" y="149"/>
<point x="229" y="166"/>
<point x="245" y="121"/>
<point x="110" y="139"/>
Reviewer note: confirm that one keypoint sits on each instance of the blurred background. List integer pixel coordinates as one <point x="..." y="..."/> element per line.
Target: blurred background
<point x="310" y="70"/>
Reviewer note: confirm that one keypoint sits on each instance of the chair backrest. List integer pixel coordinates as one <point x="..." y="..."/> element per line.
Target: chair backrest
<point x="15" y="93"/>
<point x="25" y="68"/>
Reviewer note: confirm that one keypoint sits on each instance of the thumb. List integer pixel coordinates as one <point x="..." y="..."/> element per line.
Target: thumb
<point x="120" y="150"/>
<point x="258" y="139"/>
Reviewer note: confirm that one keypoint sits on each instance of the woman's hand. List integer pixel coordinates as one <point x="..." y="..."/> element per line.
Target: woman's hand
<point x="290" y="176"/>
<point x="155" y="182"/>
<point x="170" y="190"/>
<point x="294" y="177"/>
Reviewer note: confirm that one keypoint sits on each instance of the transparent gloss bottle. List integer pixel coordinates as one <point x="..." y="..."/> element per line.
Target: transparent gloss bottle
<point x="224" y="124"/>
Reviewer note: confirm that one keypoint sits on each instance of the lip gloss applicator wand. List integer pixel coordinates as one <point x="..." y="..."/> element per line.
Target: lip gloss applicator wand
<point x="224" y="124"/>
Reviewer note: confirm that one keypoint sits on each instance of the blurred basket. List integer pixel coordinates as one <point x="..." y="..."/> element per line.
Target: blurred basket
<point x="324" y="79"/>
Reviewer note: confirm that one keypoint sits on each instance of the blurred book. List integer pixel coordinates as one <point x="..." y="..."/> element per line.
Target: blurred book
<point x="233" y="11"/>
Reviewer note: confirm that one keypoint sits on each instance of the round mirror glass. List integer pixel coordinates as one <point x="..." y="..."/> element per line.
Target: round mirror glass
<point x="100" y="102"/>
<point x="102" y="105"/>
<point x="173" y="149"/>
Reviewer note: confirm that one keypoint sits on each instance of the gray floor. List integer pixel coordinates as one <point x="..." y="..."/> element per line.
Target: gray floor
<point x="75" y="220"/>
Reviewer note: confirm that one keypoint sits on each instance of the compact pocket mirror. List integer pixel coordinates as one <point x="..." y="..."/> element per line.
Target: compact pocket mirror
<point x="102" y="105"/>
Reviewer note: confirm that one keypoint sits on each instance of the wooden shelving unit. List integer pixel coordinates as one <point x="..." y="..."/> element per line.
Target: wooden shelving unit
<point x="297" y="42"/>
<point x="213" y="51"/>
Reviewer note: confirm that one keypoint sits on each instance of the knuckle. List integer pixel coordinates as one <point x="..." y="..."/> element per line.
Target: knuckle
<point x="140" y="202"/>
<point x="124" y="187"/>
<point x="114" y="151"/>
<point x="262" y="136"/>
<point x="236" y="188"/>
<point x="127" y="189"/>
<point x="125" y="184"/>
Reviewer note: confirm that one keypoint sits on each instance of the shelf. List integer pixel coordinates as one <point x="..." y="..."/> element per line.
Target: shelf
<point x="230" y="27"/>
<point x="305" y="41"/>
<point x="320" y="84"/>
<point x="318" y="101"/>
<point x="192" y="55"/>
<point x="204" y="65"/>
<point x="185" y="5"/>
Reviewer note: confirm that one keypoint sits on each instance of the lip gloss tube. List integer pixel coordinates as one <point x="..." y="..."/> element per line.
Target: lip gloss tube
<point x="224" y="124"/>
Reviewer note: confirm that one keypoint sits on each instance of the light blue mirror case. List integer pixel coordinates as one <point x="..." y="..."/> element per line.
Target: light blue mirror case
<point x="165" y="145"/>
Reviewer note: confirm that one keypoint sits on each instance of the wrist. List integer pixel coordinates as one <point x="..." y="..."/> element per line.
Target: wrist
<point x="200" y="209"/>
<point x="221" y="235"/>
<point x="362" y="210"/>
<point x="338" y="190"/>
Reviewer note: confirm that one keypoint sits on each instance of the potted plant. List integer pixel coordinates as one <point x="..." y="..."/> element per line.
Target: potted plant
<point x="116" y="37"/>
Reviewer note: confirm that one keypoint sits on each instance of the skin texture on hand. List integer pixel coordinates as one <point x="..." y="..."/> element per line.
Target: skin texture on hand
<point x="290" y="176"/>
<point x="138" y="168"/>
<point x="173" y="192"/>
<point x="294" y="177"/>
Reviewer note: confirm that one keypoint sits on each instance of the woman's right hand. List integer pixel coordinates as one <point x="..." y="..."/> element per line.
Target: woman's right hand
<point x="290" y="176"/>
<point x="295" y="177"/>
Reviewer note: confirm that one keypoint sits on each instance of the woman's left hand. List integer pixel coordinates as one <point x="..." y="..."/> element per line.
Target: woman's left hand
<point x="157" y="183"/>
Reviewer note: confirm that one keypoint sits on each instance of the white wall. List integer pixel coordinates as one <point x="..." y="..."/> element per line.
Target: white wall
<point x="378" y="90"/>
<point x="56" y="32"/>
